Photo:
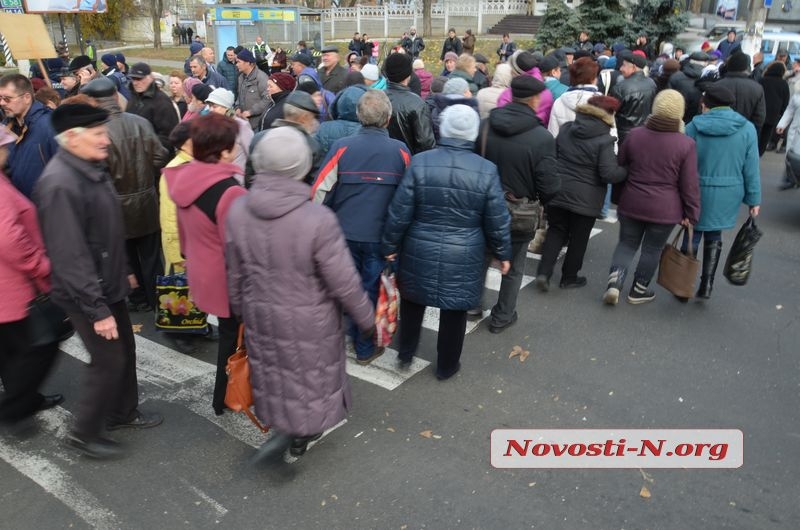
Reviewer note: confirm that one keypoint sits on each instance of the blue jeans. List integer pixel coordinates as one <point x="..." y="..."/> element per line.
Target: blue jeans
<point x="369" y="263"/>
<point x="606" y="202"/>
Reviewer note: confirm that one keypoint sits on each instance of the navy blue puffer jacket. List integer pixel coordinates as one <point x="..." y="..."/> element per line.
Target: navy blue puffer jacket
<point x="448" y="209"/>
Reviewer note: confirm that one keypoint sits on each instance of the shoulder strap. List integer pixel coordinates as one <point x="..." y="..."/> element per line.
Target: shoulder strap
<point x="209" y="199"/>
<point x="605" y="76"/>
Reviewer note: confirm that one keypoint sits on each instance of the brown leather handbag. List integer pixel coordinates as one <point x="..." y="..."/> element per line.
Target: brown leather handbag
<point x="677" y="272"/>
<point x="239" y="393"/>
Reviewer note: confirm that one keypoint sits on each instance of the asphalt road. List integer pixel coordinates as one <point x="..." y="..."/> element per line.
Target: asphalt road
<point x="731" y="362"/>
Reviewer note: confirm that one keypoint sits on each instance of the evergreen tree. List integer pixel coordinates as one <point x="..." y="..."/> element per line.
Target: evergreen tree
<point x="661" y="20"/>
<point x="558" y="26"/>
<point x="605" y="20"/>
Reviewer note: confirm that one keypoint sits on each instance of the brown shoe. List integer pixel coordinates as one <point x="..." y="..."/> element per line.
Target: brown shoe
<point x="377" y="353"/>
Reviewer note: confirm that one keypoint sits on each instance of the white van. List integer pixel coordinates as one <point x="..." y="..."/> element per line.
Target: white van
<point x="772" y="42"/>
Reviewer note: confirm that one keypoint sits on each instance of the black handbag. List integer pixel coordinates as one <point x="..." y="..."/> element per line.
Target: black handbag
<point x="740" y="258"/>
<point x="47" y="323"/>
<point x="525" y="215"/>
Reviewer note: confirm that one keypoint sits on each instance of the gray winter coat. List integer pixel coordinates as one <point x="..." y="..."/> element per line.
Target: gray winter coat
<point x="290" y="275"/>
<point x="253" y="95"/>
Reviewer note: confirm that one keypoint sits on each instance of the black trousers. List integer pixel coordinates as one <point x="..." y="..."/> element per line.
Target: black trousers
<point x="22" y="371"/>
<point x="144" y="256"/>
<point x="450" y="340"/>
<point x="565" y="228"/>
<point x="111" y="390"/>
<point x="228" y="333"/>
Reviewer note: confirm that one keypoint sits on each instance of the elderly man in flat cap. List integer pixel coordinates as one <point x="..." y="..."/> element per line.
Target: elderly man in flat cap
<point x="253" y="97"/>
<point x="90" y="275"/>
<point x="332" y="74"/>
<point x="135" y="159"/>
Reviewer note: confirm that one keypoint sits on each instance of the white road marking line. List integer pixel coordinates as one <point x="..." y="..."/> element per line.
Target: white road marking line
<point x="55" y="481"/>
<point x="218" y="508"/>
<point x="383" y="371"/>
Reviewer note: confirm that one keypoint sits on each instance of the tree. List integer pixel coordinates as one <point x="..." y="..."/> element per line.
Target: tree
<point x="157" y="7"/>
<point x="605" y="20"/>
<point x="107" y="25"/>
<point x="558" y="25"/>
<point x="427" y="26"/>
<point x="661" y="20"/>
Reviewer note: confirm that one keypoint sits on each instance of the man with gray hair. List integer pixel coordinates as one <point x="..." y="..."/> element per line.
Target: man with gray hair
<point x="90" y="275"/>
<point x="357" y="180"/>
<point x="200" y="70"/>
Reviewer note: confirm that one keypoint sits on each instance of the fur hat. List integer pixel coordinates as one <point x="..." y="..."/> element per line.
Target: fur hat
<point x="398" y="66"/>
<point x="72" y="115"/>
<point x="282" y="152"/>
<point x="459" y="121"/>
<point x="669" y="104"/>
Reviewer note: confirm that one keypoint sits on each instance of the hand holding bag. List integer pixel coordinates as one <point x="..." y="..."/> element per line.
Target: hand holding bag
<point x="386" y="311"/>
<point x="47" y="322"/>
<point x="677" y="271"/>
<point x="740" y="258"/>
<point x="239" y="393"/>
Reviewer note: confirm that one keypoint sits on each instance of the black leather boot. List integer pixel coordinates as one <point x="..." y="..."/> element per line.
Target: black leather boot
<point x="711" y="253"/>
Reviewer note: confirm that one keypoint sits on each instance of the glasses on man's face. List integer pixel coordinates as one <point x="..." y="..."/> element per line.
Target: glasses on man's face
<point x="6" y="99"/>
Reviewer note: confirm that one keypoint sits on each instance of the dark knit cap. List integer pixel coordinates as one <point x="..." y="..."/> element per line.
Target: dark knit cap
<point x="718" y="96"/>
<point x="120" y="58"/>
<point x="525" y="86"/>
<point x="72" y="115"/>
<point x="246" y="56"/>
<point x="81" y="61"/>
<point x="301" y="58"/>
<point x="202" y="91"/>
<point x="195" y="47"/>
<point x="109" y="59"/>
<point x="550" y="62"/>
<point x="102" y="87"/>
<point x="284" y="81"/>
<point x="738" y="62"/>
<point x="398" y="66"/>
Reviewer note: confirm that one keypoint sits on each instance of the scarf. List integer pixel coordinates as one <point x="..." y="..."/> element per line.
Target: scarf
<point x="662" y="124"/>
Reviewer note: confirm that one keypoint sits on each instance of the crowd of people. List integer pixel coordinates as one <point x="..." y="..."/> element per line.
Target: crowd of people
<point x="283" y="189"/>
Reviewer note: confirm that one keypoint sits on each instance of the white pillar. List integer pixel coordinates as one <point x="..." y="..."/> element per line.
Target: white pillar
<point x="333" y="24"/>
<point x="480" y="17"/>
<point x="385" y="20"/>
<point x="358" y="18"/>
<point x="446" y="18"/>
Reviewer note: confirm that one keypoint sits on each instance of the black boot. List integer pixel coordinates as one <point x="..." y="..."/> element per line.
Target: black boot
<point x="711" y="253"/>
<point x="272" y="450"/>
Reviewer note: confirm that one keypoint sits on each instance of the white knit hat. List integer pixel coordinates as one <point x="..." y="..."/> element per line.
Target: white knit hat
<point x="459" y="121"/>
<point x="222" y="97"/>
<point x="370" y="71"/>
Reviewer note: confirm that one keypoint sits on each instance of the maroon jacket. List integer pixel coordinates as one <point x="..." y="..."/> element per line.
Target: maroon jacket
<point x="663" y="186"/>
<point x="202" y="242"/>
<point x="24" y="267"/>
<point x="290" y="275"/>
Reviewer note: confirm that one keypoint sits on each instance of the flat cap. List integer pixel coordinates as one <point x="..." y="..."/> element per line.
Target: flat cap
<point x="699" y="56"/>
<point x="635" y="59"/>
<point x="481" y="58"/>
<point x="550" y="62"/>
<point x="330" y="48"/>
<point x="302" y="100"/>
<point x="525" y="86"/>
<point x="102" y="87"/>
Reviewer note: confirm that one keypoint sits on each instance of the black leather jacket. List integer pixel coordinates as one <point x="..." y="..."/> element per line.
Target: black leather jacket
<point x="411" y="119"/>
<point x="636" y="93"/>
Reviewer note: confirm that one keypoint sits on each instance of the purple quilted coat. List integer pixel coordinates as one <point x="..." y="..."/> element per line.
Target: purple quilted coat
<point x="290" y="275"/>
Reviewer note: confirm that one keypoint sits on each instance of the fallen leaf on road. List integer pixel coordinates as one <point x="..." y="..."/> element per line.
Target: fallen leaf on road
<point x="644" y="492"/>
<point x="516" y="350"/>
<point x="437" y="437"/>
<point x="137" y="328"/>
<point x="523" y="356"/>
<point x="426" y="434"/>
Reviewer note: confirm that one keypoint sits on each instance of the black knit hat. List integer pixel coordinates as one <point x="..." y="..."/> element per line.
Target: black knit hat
<point x="202" y="91"/>
<point x="525" y="86"/>
<point x="738" y="62"/>
<point x="398" y="66"/>
<point x="71" y="115"/>
<point x="718" y="96"/>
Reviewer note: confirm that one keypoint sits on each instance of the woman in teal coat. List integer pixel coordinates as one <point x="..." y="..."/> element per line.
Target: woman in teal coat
<point x="727" y="162"/>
